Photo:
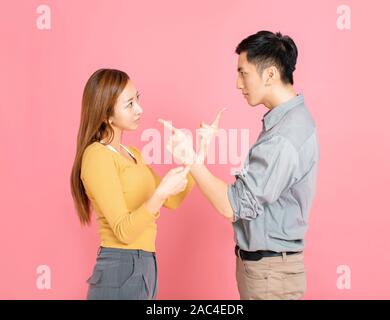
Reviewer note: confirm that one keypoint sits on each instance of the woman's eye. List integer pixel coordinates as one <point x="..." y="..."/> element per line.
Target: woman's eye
<point x="131" y="103"/>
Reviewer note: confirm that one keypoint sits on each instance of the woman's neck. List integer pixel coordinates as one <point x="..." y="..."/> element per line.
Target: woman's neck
<point x="116" y="141"/>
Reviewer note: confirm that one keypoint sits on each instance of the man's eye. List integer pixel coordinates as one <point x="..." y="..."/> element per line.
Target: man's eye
<point x="130" y="104"/>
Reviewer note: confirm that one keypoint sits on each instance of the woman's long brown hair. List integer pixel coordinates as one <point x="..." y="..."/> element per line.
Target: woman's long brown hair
<point x="99" y="97"/>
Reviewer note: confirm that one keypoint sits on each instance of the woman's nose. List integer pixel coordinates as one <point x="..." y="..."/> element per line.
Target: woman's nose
<point x="138" y="110"/>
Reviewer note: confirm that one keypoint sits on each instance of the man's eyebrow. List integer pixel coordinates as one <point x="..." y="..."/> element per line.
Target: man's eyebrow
<point x="137" y="94"/>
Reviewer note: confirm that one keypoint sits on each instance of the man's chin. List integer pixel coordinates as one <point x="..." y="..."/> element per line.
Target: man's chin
<point x="252" y="104"/>
<point x="255" y="103"/>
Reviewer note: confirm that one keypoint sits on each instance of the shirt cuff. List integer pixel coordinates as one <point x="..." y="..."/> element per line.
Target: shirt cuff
<point x="149" y="216"/>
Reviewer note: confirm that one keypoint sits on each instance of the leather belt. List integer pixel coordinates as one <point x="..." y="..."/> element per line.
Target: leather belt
<point x="260" y="254"/>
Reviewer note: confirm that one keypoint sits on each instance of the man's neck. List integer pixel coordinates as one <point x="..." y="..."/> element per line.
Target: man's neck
<point x="280" y="95"/>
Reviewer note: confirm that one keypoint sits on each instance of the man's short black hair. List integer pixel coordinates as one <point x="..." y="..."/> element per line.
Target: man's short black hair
<point x="266" y="48"/>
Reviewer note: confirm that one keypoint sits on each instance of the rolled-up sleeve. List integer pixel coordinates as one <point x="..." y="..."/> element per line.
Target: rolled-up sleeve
<point x="271" y="168"/>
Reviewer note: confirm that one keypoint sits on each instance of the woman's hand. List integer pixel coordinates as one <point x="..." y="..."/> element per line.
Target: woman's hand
<point x="180" y="145"/>
<point x="174" y="182"/>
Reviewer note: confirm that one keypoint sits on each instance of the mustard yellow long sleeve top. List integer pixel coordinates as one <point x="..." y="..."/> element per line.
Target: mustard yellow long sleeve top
<point x="118" y="190"/>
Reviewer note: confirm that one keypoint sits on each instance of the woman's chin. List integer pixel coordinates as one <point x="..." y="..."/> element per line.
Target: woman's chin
<point x="132" y="127"/>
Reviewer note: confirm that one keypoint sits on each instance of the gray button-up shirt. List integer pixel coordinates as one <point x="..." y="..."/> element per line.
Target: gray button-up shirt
<point x="273" y="193"/>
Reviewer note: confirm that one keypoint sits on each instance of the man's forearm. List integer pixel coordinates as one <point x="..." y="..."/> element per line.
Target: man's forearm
<point x="214" y="189"/>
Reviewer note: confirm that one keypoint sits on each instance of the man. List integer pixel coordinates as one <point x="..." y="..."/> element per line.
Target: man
<point x="270" y="200"/>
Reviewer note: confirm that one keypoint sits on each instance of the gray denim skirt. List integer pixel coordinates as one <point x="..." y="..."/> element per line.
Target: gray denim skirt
<point x="123" y="274"/>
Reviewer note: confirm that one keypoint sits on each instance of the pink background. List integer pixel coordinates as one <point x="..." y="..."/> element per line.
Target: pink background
<point x="181" y="56"/>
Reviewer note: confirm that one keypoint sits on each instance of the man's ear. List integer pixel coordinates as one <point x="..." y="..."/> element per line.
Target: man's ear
<point x="270" y="75"/>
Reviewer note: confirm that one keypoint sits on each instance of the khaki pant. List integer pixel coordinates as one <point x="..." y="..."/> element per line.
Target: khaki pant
<point x="272" y="278"/>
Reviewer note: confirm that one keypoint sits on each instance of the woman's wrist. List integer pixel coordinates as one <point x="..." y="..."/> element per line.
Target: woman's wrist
<point x="159" y="195"/>
<point x="156" y="201"/>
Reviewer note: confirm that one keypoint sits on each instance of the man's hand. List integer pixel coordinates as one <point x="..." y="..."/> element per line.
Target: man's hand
<point x="180" y="145"/>
<point x="206" y="134"/>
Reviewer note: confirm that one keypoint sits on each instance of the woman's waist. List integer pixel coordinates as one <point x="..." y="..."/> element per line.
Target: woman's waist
<point x="102" y="250"/>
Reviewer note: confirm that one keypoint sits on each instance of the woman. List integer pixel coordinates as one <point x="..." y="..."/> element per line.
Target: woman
<point x="123" y="191"/>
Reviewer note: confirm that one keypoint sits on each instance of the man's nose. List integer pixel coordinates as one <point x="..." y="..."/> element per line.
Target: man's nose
<point x="239" y="84"/>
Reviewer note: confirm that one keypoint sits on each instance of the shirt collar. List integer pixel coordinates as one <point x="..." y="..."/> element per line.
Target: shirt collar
<point x="273" y="116"/>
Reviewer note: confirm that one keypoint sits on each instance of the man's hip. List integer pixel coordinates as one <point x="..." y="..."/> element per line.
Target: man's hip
<point x="273" y="276"/>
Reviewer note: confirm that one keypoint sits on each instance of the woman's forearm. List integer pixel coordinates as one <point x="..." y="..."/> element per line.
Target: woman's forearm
<point x="155" y="202"/>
